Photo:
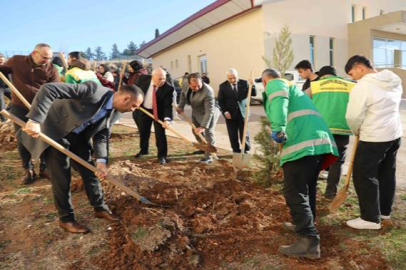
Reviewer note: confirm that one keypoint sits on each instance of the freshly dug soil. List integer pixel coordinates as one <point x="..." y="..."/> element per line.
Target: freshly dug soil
<point x="7" y="139"/>
<point x="208" y="220"/>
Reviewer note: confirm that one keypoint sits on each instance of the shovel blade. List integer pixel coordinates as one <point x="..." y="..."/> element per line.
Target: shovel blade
<point x="241" y="160"/>
<point x="205" y="147"/>
<point x="338" y="200"/>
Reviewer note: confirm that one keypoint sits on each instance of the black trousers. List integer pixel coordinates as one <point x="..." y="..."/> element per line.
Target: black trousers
<point x="144" y="123"/>
<point x="25" y="155"/>
<point x="335" y="171"/>
<point x="235" y="128"/>
<point x="60" y="171"/>
<point x="375" y="178"/>
<point x="300" y="183"/>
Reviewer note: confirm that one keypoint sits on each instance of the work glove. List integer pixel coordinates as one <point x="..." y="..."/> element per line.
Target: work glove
<point x="278" y="136"/>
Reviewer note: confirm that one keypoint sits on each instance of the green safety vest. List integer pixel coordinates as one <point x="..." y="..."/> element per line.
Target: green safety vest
<point x="290" y="110"/>
<point x="330" y="95"/>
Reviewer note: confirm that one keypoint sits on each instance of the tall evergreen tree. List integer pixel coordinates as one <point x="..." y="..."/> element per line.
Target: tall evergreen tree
<point x="132" y="48"/>
<point x="115" y="53"/>
<point x="99" y="54"/>
<point x="89" y="54"/>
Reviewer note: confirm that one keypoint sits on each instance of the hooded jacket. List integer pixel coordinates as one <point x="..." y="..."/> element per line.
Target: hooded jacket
<point x="373" y="107"/>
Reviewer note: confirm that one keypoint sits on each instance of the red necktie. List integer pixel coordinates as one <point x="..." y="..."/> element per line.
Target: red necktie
<point x="154" y="104"/>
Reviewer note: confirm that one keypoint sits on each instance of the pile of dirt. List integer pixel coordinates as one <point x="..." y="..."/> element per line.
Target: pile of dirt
<point x="208" y="219"/>
<point x="7" y="139"/>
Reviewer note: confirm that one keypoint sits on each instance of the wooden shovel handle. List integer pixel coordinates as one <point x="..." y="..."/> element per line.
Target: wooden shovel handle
<point x="169" y="128"/>
<point x="65" y="63"/>
<point x="76" y="158"/>
<point x="351" y="165"/>
<point x="15" y="91"/>
<point x="121" y="75"/>
<point x="247" y="110"/>
<point x="187" y="118"/>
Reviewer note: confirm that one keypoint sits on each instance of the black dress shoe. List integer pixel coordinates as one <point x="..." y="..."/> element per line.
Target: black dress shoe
<point x="44" y="174"/>
<point x="140" y="155"/>
<point x="199" y="152"/>
<point x="163" y="160"/>
<point x="28" y="177"/>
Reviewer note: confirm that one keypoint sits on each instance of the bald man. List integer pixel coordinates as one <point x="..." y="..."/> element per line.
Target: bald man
<point x="158" y="101"/>
<point x="29" y="73"/>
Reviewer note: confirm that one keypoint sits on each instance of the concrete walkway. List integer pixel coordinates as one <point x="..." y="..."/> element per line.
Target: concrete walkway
<point x="257" y="111"/>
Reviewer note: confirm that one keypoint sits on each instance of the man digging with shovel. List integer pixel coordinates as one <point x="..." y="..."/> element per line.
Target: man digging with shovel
<point x="74" y="115"/>
<point x="308" y="147"/>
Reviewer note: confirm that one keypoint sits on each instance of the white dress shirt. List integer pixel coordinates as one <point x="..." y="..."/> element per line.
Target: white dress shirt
<point x="148" y="98"/>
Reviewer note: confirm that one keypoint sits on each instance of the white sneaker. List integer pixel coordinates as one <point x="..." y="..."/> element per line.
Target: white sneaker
<point x="323" y="174"/>
<point x="385" y="217"/>
<point x="361" y="224"/>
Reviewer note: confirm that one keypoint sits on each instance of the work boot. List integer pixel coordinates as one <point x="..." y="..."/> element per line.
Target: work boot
<point x="28" y="177"/>
<point x="74" y="227"/>
<point x="289" y="226"/>
<point x="306" y="246"/>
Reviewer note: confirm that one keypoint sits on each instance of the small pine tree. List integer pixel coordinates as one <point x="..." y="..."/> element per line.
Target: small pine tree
<point x="282" y="52"/>
<point x="268" y="159"/>
<point x="115" y="53"/>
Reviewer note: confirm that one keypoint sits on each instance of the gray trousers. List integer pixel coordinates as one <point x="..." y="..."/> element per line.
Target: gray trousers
<point x="209" y="131"/>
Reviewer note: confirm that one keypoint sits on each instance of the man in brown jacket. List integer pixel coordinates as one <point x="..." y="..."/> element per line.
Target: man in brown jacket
<point x="28" y="74"/>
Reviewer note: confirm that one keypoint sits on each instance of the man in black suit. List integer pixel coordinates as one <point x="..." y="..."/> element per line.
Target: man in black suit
<point x="75" y="115"/>
<point x="158" y="101"/>
<point x="232" y="98"/>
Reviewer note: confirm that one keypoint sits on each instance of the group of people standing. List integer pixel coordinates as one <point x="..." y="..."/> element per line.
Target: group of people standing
<point x="313" y="125"/>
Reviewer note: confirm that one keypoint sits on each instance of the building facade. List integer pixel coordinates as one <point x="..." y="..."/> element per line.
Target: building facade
<point x="238" y="33"/>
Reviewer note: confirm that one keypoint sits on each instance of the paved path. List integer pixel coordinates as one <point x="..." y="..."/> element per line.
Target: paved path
<point x="257" y="111"/>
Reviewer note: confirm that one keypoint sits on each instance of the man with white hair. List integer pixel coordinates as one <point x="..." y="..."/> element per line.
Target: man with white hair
<point x="29" y="73"/>
<point x="232" y="98"/>
<point x="158" y="101"/>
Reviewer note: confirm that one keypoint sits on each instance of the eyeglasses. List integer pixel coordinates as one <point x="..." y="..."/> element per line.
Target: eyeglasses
<point x="44" y="57"/>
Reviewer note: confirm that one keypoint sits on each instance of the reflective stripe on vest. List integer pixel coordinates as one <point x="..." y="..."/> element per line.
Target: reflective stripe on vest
<point x="341" y="131"/>
<point x="302" y="113"/>
<point x="278" y="94"/>
<point x="309" y="143"/>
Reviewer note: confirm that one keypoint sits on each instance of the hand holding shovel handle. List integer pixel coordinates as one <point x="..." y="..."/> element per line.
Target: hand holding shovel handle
<point x="76" y="158"/>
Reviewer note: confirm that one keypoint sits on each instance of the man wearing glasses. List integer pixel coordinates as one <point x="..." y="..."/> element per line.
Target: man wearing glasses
<point x="28" y="74"/>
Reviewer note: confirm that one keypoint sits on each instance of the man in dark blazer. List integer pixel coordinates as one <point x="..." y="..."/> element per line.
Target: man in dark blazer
<point x="75" y="115"/>
<point x="232" y="98"/>
<point x="156" y="82"/>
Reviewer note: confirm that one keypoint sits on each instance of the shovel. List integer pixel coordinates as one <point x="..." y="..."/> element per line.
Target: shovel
<point x="85" y="164"/>
<point x="241" y="160"/>
<point x="200" y="146"/>
<point x="15" y="91"/>
<point x="203" y="139"/>
<point x="343" y="192"/>
<point x="65" y="64"/>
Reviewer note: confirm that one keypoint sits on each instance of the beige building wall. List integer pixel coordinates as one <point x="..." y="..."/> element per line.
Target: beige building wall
<point x="237" y="43"/>
<point x="323" y="19"/>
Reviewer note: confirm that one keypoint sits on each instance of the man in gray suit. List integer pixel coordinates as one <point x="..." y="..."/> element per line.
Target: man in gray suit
<point x="73" y="115"/>
<point x="205" y="111"/>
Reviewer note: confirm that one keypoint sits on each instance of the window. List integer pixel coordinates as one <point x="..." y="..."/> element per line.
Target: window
<point x="312" y="56"/>
<point x="364" y="13"/>
<point x="171" y="65"/>
<point x="176" y="63"/>
<point x="352" y="13"/>
<point x="381" y="12"/>
<point x="389" y="53"/>
<point x="331" y="51"/>
<point x="203" y="63"/>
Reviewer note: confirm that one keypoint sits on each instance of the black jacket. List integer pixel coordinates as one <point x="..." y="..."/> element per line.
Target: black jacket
<point x="164" y="95"/>
<point x="228" y="99"/>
